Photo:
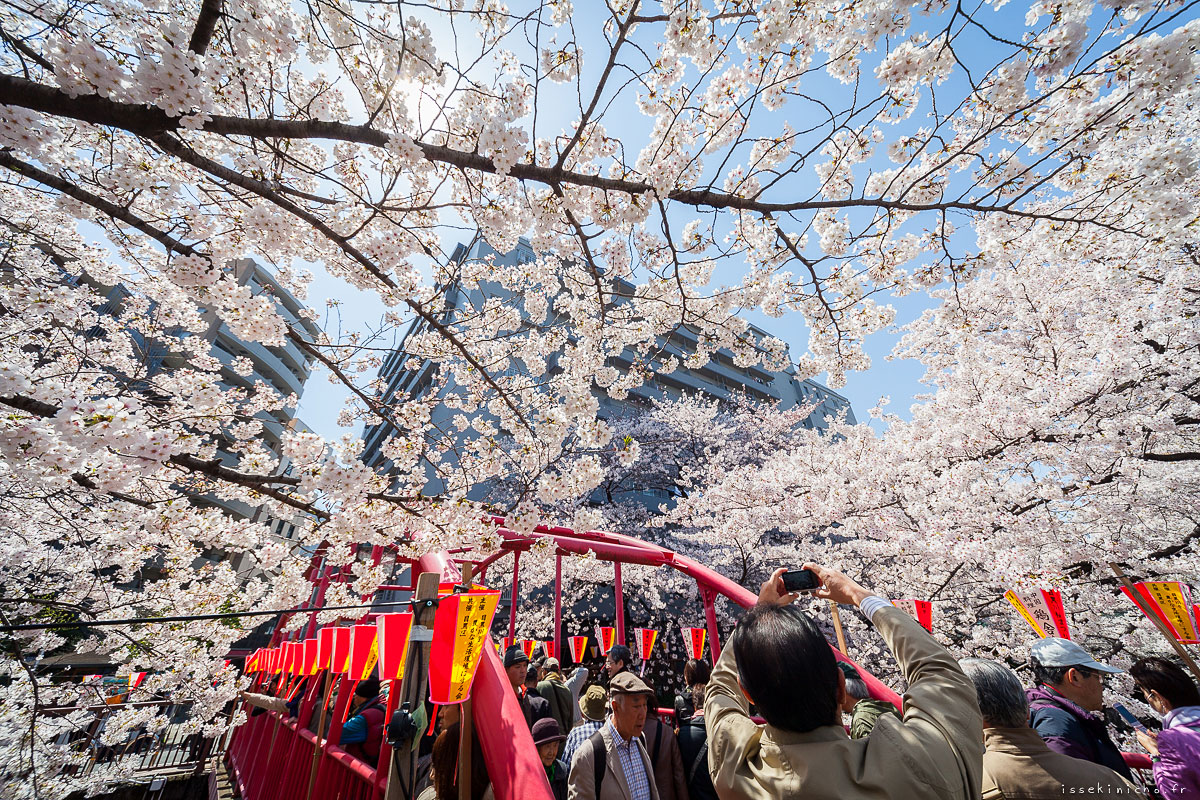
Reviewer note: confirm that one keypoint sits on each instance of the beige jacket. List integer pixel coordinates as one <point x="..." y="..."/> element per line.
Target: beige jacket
<point x="581" y="785"/>
<point x="1019" y="766"/>
<point x="935" y="751"/>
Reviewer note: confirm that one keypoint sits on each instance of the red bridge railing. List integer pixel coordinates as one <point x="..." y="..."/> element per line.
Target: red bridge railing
<point x="271" y="756"/>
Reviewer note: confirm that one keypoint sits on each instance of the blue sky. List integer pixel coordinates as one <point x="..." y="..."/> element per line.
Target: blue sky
<point x="898" y="379"/>
<point x="558" y="106"/>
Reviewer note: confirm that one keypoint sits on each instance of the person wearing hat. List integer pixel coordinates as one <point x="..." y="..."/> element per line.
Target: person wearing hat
<point x="863" y="709"/>
<point x="591" y="707"/>
<point x="1016" y="762"/>
<point x="612" y="763"/>
<point x="548" y="738"/>
<point x="363" y="732"/>
<point x="555" y="691"/>
<point x="1068" y="692"/>
<point x="516" y="665"/>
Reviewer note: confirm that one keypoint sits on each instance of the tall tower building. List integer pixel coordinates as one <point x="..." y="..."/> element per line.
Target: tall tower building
<point x="407" y="376"/>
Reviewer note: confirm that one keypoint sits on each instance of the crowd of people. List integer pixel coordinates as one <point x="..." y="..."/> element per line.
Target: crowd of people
<point x="780" y="716"/>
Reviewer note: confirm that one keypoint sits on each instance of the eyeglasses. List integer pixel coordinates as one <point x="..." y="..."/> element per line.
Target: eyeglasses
<point x="1088" y="673"/>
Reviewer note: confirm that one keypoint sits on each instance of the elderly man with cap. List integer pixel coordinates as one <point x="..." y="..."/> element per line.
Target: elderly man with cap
<point x="1017" y="764"/>
<point x="1068" y="691"/>
<point x="516" y="664"/>
<point x="591" y="707"/>
<point x="612" y="763"/>
<point x="548" y="738"/>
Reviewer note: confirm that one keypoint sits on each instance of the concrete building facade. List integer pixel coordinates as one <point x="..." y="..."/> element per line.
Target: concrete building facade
<point x="407" y="376"/>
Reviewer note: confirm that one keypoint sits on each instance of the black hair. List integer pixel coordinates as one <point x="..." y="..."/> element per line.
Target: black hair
<point x="445" y="766"/>
<point x="531" y="673"/>
<point x="619" y="652"/>
<point x="1051" y="676"/>
<point x="368" y="688"/>
<point x="695" y="671"/>
<point x="1168" y="679"/>
<point x="787" y="667"/>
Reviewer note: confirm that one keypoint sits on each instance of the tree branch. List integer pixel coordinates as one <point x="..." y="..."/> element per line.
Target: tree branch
<point x="206" y="24"/>
<point x="151" y="122"/>
<point x="1192" y="456"/>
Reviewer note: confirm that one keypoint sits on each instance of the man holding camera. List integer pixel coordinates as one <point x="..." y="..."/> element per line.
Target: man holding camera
<point x="778" y="659"/>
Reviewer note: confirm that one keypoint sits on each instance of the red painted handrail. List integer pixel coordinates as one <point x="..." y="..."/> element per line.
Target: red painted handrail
<point x="268" y="745"/>
<point x="621" y="548"/>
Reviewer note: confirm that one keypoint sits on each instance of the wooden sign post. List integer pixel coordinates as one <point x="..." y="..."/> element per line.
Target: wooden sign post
<point x="465" y="729"/>
<point x="414" y="685"/>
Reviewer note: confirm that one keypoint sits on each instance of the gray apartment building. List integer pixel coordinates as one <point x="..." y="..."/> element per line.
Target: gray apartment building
<point x="284" y="368"/>
<point x="407" y="376"/>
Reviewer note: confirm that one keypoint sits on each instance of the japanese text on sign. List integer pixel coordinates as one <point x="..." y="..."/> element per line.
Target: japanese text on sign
<point x="460" y="629"/>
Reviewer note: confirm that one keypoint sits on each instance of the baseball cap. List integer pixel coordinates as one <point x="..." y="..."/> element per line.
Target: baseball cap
<point x="514" y="655"/>
<point x="1055" y="652"/>
<point x="848" y="670"/>
<point x="592" y="703"/>
<point x="551" y="664"/>
<point x="628" y="683"/>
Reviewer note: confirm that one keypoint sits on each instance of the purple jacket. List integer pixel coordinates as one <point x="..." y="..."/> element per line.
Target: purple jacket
<point x="1068" y="729"/>
<point x="1177" y="771"/>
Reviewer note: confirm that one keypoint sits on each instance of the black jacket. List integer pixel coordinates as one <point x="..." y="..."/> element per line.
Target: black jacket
<point x="684" y="708"/>
<point x="692" y="736"/>
<point x="535" y="708"/>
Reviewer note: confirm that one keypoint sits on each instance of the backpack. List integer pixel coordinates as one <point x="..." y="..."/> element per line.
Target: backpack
<point x="600" y="754"/>
<point x="559" y="698"/>
<point x="600" y="759"/>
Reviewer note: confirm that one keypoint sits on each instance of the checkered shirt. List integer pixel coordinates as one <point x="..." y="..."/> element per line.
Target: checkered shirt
<point x="630" y="756"/>
<point x="577" y="736"/>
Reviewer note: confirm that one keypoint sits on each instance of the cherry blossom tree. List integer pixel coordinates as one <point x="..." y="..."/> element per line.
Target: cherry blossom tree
<point x="1035" y="175"/>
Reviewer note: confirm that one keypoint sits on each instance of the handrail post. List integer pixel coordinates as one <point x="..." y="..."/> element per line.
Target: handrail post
<point x="556" y="636"/>
<point x="620" y="593"/>
<point x="512" y="603"/>
<point x="710" y="621"/>
<point x="318" y="602"/>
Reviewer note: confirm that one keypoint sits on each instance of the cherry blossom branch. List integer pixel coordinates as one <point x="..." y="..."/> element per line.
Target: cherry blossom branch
<point x="206" y="25"/>
<point x="120" y="213"/>
<point x="581" y="126"/>
<point x="211" y="468"/>
<point x="190" y="156"/>
<point x="152" y="123"/>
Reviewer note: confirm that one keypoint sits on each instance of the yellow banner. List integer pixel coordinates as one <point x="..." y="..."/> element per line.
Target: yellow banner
<point x="1019" y="605"/>
<point x="453" y="660"/>
<point x="1169" y="596"/>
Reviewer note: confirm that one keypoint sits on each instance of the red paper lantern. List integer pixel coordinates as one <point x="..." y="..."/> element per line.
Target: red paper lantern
<point x="578" y="645"/>
<point x="460" y="629"/>
<point x="394" y="632"/>
<point x="362" y="652"/>
<point x="693" y="641"/>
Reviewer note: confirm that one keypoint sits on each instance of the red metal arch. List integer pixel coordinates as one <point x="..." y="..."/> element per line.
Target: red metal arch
<point x="270" y="743"/>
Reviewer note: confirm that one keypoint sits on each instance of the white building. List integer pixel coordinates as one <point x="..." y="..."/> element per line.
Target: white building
<point x="410" y="376"/>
